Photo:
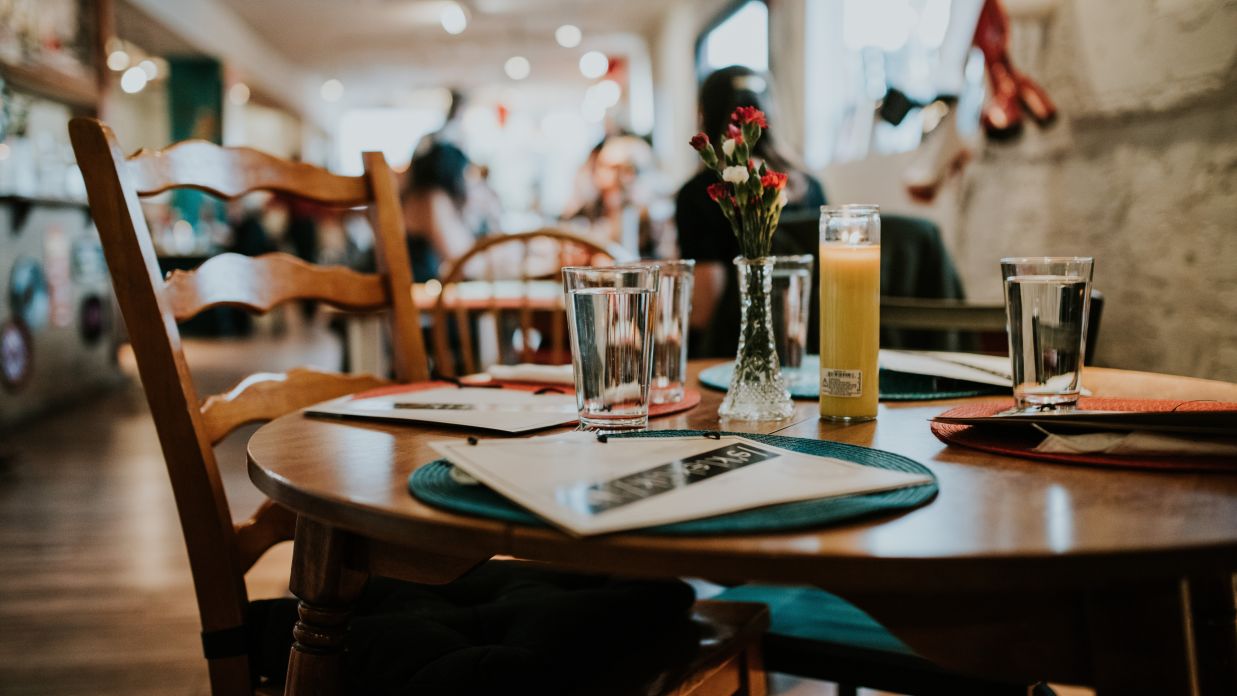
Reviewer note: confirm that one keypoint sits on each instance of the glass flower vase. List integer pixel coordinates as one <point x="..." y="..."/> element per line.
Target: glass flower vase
<point x="757" y="390"/>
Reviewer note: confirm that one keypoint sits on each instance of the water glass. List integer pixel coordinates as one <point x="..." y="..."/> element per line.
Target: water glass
<point x="1046" y="303"/>
<point x="610" y="312"/>
<point x="674" y="301"/>
<point x="792" y="297"/>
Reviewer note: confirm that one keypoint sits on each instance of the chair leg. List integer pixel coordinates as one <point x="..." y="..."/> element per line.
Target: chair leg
<point x="755" y="681"/>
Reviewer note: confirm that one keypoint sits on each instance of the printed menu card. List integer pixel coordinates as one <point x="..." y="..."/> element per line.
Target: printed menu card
<point x="587" y="486"/>
<point x="506" y="410"/>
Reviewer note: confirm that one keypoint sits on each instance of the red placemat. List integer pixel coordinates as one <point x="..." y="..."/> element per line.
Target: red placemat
<point x="691" y="397"/>
<point x="1018" y="443"/>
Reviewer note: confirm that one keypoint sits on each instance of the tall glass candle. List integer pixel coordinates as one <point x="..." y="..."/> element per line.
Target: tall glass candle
<point x="850" y="279"/>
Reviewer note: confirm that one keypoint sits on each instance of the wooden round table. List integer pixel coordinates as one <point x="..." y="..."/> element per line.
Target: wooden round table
<point x="1017" y="569"/>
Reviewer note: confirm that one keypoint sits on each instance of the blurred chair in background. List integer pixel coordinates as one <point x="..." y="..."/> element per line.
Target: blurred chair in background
<point x="502" y="301"/>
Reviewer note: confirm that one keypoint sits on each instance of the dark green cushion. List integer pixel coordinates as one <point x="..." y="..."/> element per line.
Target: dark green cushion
<point x="809" y="613"/>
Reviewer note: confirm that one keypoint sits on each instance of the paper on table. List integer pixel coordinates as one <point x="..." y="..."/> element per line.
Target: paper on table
<point x="1139" y="443"/>
<point x="527" y="372"/>
<point x="587" y="487"/>
<point x="971" y="367"/>
<point x="507" y="410"/>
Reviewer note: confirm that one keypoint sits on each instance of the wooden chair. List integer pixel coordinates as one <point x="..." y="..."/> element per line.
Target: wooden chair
<point x="509" y="286"/>
<point x="220" y="552"/>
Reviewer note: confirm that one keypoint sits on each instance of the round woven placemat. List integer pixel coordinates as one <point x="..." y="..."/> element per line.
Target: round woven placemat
<point x="894" y="386"/>
<point x="1017" y="442"/>
<point x="433" y="484"/>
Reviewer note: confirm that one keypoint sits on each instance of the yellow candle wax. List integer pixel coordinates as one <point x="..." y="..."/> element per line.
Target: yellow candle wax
<point x="849" y="329"/>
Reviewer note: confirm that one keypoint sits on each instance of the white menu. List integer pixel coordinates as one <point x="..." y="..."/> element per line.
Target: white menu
<point x="586" y="486"/>
<point x="506" y="410"/>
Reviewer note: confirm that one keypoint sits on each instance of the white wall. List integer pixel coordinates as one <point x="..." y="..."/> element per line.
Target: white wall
<point x="1140" y="171"/>
<point x="674" y="77"/>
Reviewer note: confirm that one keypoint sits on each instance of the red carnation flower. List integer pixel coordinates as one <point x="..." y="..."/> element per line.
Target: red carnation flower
<point x="773" y="180"/>
<point x="718" y="191"/>
<point x="700" y="141"/>
<point x="749" y="114"/>
<point x="735" y="133"/>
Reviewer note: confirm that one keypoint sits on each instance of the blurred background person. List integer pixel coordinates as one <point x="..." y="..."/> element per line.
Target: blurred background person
<point x="618" y="197"/>
<point x="703" y="233"/>
<point x="435" y="200"/>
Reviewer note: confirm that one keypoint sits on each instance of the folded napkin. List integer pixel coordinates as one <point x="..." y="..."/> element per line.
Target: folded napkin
<point x="527" y="372"/>
<point x="1138" y="443"/>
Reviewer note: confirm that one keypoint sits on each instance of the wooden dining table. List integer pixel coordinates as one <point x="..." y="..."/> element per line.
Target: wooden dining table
<point x="1121" y="579"/>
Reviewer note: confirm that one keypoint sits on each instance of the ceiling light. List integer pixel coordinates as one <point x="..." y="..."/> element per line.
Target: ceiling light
<point x="133" y="80"/>
<point x="517" y="67"/>
<point x="332" y="90"/>
<point x="608" y="92"/>
<point x="594" y="64"/>
<point x="118" y="60"/>
<point x="593" y="113"/>
<point x="453" y="19"/>
<point x="567" y="36"/>
<point x="148" y="66"/>
<point x="239" y="94"/>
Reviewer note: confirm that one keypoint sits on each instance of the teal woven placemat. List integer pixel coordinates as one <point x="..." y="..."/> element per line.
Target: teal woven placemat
<point x="434" y="485"/>
<point x="804" y="383"/>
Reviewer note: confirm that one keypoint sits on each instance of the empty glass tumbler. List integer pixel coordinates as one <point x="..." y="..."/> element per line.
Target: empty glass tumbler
<point x="1046" y="303"/>
<point x="674" y="301"/>
<point x="610" y="313"/>
<point x="792" y="297"/>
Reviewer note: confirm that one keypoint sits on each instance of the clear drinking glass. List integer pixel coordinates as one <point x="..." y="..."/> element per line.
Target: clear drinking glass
<point x="610" y="312"/>
<point x="792" y="297"/>
<point x="674" y="301"/>
<point x="1046" y="304"/>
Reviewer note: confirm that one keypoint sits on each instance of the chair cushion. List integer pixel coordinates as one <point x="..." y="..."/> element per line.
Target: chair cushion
<point x="808" y="613"/>
<point x="505" y="627"/>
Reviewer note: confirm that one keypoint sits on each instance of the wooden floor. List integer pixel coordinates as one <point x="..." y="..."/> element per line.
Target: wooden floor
<point x="95" y="591"/>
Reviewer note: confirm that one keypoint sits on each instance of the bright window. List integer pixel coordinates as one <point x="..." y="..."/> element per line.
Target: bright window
<point x="395" y="132"/>
<point x="742" y="38"/>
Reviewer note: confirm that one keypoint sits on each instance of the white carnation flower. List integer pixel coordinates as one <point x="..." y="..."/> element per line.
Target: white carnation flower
<point x="736" y="174"/>
<point x="728" y="146"/>
<point x="782" y="199"/>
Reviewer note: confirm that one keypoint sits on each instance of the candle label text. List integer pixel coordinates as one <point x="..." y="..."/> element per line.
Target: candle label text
<point x="846" y="383"/>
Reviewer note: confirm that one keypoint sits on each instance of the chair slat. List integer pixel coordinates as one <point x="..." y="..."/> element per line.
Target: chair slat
<point x="233" y="172"/>
<point x="264" y="396"/>
<point x="464" y="329"/>
<point x="263" y="282"/>
<point x="268" y="526"/>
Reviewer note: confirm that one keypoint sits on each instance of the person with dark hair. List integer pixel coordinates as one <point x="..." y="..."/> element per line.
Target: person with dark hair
<point x="434" y="201"/>
<point x="703" y="233"/>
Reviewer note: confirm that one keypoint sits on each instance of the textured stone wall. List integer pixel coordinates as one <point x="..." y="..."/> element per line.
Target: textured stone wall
<point x="1140" y="172"/>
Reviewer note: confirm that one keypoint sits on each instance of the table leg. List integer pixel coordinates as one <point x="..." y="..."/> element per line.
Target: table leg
<point x="327" y="583"/>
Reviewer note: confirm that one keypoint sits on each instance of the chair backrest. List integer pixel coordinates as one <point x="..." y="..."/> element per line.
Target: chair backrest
<point x="219" y="552"/>
<point x="503" y="299"/>
<point x="988" y="321"/>
<point x="922" y="300"/>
